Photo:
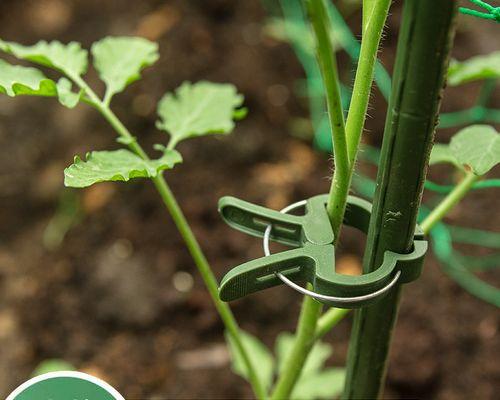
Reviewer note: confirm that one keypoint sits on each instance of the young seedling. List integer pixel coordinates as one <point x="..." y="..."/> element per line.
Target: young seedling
<point x="193" y="110"/>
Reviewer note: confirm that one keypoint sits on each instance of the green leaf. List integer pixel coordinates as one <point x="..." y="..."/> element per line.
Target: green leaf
<point x="16" y="80"/>
<point x="475" y="68"/>
<point x="120" y="60"/>
<point x="321" y="385"/>
<point x="260" y="357"/>
<point x="117" y="165"/>
<point x="69" y="58"/>
<point x="313" y="383"/>
<point x="66" y="96"/>
<point x="199" y="109"/>
<point x="240" y="113"/>
<point x="441" y="153"/>
<point x="291" y="32"/>
<point x="52" y="365"/>
<point x="477" y="147"/>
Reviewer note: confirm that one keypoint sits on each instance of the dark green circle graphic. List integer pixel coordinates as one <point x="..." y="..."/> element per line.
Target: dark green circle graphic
<point x="65" y="386"/>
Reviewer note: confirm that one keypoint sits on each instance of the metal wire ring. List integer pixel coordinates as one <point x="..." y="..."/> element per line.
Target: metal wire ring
<point x="314" y="295"/>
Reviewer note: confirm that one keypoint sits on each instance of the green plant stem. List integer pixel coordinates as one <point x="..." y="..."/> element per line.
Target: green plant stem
<point x="318" y="17"/>
<point x="344" y="164"/>
<point x="304" y="341"/>
<point x="424" y="41"/>
<point x="187" y="234"/>
<point x="373" y="24"/>
<point x="374" y="17"/>
<point x="443" y="208"/>
<point x="487" y="89"/>
<point x="209" y="278"/>
<point x="171" y="143"/>
<point x="311" y="309"/>
<point x="368" y="6"/>
<point x="328" y="320"/>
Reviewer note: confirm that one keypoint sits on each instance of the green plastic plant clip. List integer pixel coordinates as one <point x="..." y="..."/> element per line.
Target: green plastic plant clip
<point x="288" y="229"/>
<point x="313" y="258"/>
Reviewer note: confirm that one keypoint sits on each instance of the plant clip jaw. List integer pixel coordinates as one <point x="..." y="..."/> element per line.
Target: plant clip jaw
<point x="312" y="259"/>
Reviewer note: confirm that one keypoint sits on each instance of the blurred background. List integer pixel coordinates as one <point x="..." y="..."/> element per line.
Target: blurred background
<point x="100" y="277"/>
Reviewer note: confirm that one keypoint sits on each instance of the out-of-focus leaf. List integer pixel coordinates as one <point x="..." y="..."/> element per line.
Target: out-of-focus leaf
<point x="69" y="58"/>
<point x="477" y="147"/>
<point x="290" y="32"/>
<point x="117" y="165"/>
<point x="315" y="360"/>
<point x="314" y="382"/>
<point x="441" y="153"/>
<point x="260" y="357"/>
<point x="16" y="80"/>
<point x="66" y="96"/>
<point x="475" y="68"/>
<point x="52" y="365"/>
<point x="325" y="385"/>
<point x="299" y="34"/>
<point x="199" y="109"/>
<point x="120" y="60"/>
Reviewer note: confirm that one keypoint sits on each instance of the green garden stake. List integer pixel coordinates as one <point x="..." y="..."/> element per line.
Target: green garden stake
<point x="424" y="42"/>
<point x="312" y="259"/>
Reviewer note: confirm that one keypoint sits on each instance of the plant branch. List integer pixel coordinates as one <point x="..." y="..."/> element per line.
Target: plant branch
<point x="171" y="143"/>
<point x="343" y="162"/>
<point x="311" y="309"/>
<point x="374" y="17"/>
<point x="304" y="341"/>
<point x="328" y="320"/>
<point x="107" y="97"/>
<point x="368" y="6"/>
<point x="450" y="201"/>
<point x="344" y="158"/>
<point x="187" y="234"/>
<point x="320" y="23"/>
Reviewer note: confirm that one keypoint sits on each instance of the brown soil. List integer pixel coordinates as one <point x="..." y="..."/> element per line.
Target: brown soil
<point x="105" y="300"/>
